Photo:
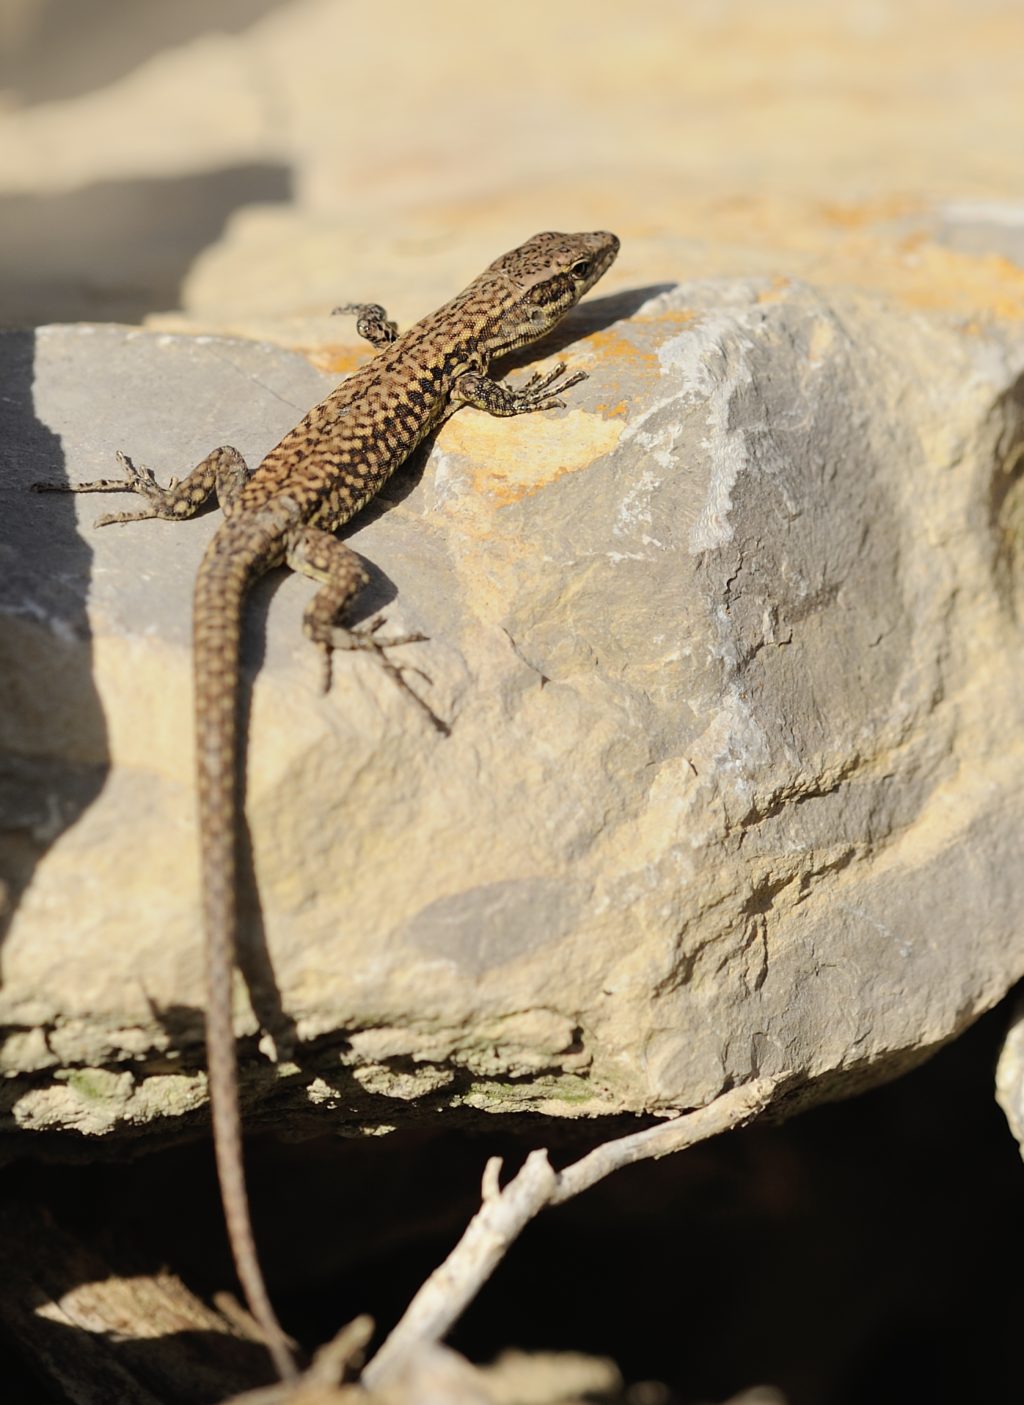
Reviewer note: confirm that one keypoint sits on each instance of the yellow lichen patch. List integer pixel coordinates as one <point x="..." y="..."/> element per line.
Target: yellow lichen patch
<point x="611" y="347"/>
<point x="513" y="458"/>
<point x="619" y="354"/>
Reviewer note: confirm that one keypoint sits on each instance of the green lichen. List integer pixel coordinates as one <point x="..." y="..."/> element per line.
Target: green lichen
<point x="97" y="1085"/>
<point x="569" y="1089"/>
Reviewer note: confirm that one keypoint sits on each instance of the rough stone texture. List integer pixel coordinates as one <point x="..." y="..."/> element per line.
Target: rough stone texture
<point x="729" y="646"/>
<point x="729" y="650"/>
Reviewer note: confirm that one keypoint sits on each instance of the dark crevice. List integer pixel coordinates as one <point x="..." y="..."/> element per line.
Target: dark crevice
<point x="854" y="1253"/>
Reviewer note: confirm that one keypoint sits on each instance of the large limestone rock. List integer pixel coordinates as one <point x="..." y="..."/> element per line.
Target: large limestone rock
<point x="729" y="655"/>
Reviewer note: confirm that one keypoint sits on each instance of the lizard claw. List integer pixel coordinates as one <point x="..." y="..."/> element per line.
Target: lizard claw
<point x="364" y="637"/>
<point x="539" y="381"/>
<point x="136" y="479"/>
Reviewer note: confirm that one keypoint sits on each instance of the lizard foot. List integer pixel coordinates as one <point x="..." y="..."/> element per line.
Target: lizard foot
<point x="136" y="479"/>
<point x="364" y="637"/>
<point x="532" y="394"/>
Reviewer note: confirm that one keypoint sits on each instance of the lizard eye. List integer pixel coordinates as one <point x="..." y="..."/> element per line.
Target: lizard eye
<point x="580" y="268"/>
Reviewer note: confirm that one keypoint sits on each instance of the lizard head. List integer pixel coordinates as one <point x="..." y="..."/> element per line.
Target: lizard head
<point x="537" y="284"/>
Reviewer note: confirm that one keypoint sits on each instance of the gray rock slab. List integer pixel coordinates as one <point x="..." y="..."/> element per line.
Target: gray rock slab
<point x="729" y="652"/>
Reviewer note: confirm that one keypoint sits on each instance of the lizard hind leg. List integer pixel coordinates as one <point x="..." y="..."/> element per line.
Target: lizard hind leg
<point x="341" y="575"/>
<point x="224" y="471"/>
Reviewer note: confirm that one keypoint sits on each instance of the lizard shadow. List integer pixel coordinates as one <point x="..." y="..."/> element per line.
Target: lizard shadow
<point x="113" y="249"/>
<point x="48" y="695"/>
<point x="587" y="319"/>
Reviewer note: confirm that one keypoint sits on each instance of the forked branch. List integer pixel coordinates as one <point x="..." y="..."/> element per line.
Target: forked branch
<point x="504" y="1213"/>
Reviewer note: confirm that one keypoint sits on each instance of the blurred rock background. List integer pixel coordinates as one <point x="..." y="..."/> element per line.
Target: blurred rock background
<point x="243" y="165"/>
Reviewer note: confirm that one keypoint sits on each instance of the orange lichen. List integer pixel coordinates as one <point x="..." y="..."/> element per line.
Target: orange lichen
<point x="611" y="345"/>
<point x="337" y="360"/>
<point x="669" y="316"/>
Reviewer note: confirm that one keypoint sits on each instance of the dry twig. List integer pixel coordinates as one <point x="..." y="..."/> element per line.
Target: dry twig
<point x="505" y="1212"/>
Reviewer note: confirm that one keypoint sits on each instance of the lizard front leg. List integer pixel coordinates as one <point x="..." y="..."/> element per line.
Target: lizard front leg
<point x="496" y="398"/>
<point x="224" y="471"/>
<point x="372" y="322"/>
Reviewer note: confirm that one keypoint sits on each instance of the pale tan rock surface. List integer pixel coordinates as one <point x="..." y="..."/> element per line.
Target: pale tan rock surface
<point x="728" y="647"/>
<point x="728" y="650"/>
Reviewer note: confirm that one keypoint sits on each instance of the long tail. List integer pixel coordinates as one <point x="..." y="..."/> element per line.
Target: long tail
<point x="219" y="598"/>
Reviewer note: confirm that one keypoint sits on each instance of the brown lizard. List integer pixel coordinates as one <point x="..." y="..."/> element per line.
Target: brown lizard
<point x="285" y="512"/>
